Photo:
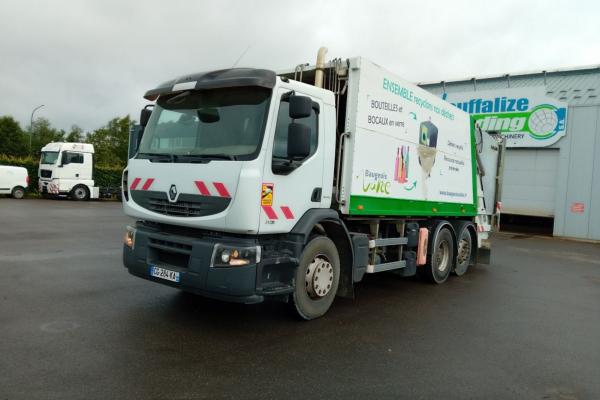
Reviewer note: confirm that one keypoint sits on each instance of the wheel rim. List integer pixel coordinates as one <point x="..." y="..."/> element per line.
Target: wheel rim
<point x="19" y="193"/>
<point x="464" y="250"/>
<point x="79" y="193"/>
<point x="319" y="277"/>
<point x="442" y="256"/>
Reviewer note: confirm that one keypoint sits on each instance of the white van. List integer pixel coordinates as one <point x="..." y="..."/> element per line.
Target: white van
<point x="13" y="181"/>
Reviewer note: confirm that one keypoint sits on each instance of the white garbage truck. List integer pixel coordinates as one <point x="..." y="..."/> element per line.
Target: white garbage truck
<point x="250" y="185"/>
<point x="66" y="169"/>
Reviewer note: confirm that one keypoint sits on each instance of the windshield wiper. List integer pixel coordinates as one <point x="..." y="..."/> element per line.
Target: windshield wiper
<point x="160" y="157"/>
<point x="205" y="157"/>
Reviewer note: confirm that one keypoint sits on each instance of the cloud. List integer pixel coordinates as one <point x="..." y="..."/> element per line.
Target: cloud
<point x="90" y="61"/>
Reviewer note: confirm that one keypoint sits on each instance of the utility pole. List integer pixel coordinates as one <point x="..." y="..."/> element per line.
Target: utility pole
<point x="31" y="125"/>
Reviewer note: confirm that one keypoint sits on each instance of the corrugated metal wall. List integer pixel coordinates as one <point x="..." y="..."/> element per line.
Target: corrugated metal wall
<point x="578" y="176"/>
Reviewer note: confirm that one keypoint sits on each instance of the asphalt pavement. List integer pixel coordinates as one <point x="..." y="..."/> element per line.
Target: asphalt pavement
<point x="75" y="325"/>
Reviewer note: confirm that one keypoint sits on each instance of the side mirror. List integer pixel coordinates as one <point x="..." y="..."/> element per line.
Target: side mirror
<point x="64" y="159"/>
<point x="300" y="106"/>
<point x="145" y="115"/>
<point x="135" y="135"/>
<point x="298" y="145"/>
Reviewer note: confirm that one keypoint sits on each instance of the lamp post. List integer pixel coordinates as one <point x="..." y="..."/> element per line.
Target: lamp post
<point x="31" y="125"/>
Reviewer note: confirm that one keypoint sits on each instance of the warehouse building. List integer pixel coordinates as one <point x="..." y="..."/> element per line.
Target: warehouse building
<point x="551" y="120"/>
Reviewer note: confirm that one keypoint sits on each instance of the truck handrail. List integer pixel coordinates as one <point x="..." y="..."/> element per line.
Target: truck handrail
<point x="338" y="166"/>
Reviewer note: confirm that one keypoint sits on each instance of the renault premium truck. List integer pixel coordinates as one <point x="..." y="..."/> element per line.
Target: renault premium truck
<point x="66" y="169"/>
<point x="249" y="185"/>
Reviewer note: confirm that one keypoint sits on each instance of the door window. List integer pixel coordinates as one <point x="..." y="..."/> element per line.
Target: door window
<point x="281" y="130"/>
<point x="73" y="158"/>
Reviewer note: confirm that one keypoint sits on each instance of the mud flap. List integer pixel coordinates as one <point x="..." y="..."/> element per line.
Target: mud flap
<point x="483" y="256"/>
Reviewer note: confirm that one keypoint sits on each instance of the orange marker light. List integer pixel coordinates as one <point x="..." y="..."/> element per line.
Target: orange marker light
<point x="360" y="207"/>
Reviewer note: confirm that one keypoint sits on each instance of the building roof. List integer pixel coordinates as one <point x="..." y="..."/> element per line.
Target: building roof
<point x="577" y="86"/>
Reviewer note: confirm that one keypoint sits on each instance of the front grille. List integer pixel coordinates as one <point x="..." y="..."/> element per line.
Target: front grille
<point x="46" y="173"/>
<point x="179" y="209"/>
<point x="187" y="205"/>
<point x="169" y="252"/>
<point x="174" y="245"/>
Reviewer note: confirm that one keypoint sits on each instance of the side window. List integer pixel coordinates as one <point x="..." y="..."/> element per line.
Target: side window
<point x="281" y="130"/>
<point x="74" y="158"/>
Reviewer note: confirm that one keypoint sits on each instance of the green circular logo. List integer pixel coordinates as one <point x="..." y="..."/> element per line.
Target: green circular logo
<point x="543" y="122"/>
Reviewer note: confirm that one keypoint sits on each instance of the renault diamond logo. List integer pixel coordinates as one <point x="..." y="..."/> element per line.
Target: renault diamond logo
<point x="173" y="193"/>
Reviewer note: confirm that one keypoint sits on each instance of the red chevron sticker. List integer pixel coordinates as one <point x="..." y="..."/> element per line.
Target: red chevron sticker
<point x="221" y="189"/>
<point x="202" y="188"/>
<point x="270" y="212"/>
<point x="148" y="183"/>
<point x="287" y="213"/>
<point x="135" y="183"/>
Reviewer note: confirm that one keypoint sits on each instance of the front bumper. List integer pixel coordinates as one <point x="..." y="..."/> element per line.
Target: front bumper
<point x="48" y="187"/>
<point x="190" y="255"/>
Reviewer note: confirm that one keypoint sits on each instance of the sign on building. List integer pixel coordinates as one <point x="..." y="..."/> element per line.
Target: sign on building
<point x="527" y="117"/>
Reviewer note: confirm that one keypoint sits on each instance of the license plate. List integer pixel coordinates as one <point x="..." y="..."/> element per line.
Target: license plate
<point x="163" y="273"/>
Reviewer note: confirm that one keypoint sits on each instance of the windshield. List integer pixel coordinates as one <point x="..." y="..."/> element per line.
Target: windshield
<point x="49" y="157"/>
<point x="217" y="123"/>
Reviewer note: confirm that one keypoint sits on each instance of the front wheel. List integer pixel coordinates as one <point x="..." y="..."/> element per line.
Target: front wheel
<point x="80" y="193"/>
<point x="317" y="278"/>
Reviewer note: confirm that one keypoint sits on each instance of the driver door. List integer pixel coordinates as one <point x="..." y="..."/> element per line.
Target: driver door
<point x="287" y="195"/>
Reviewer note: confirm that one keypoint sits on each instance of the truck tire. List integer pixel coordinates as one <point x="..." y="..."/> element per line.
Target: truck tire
<point x="317" y="278"/>
<point x="441" y="259"/>
<point x="80" y="193"/>
<point x="18" y="192"/>
<point x="464" y="250"/>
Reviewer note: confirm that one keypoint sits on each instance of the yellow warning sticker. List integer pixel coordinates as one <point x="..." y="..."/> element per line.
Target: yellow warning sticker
<point x="266" y="197"/>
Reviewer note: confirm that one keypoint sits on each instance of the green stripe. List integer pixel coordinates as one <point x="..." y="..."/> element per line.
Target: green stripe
<point x="474" y="165"/>
<point x="386" y="206"/>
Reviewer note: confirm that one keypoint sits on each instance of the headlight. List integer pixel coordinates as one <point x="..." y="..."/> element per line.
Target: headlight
<point x="129" y="238"/>
<point x="233" y="256"/>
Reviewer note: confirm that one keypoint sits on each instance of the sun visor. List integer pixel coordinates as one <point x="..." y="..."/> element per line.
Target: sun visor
<point x="214" y="80"/>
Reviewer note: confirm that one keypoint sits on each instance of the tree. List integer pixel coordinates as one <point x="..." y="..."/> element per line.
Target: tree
<point x="76" y="134"/>
<point x="13" y="141"/>
<point x="111" y="142"/>
<point x="42" y="134"/>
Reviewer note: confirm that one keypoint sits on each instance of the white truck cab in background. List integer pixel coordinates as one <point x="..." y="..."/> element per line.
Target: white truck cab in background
<point x="66" y="169"/>
<point x="13" y="181"/>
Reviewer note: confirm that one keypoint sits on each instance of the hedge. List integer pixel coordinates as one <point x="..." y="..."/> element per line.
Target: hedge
<point x="104" y="176"/>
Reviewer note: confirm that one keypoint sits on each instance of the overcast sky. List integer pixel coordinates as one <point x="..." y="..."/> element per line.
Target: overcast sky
<point x="90" y="61"/>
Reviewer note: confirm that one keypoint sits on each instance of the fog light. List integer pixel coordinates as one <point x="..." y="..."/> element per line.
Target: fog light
<point x="129" y="238"/>
<point x="232" y="256"/>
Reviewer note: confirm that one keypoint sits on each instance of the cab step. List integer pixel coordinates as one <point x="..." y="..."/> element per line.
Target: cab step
<point x="371" y="269"/>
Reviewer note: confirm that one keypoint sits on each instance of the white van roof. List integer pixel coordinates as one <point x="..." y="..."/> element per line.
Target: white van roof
<point x="61" y="146"/>
<point x="22" y="169"/>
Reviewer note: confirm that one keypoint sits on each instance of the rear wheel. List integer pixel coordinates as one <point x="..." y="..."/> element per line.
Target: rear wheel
<point x="80" y="193"/>
<point x="463" y="252"/>
<point x="442" y="257"/>
<point x="18" y="192"/>
<point x="317" y="278"/>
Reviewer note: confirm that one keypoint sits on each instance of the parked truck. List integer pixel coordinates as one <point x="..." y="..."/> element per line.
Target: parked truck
<point x="67" y="170"/>
<point x="250" y="185"/>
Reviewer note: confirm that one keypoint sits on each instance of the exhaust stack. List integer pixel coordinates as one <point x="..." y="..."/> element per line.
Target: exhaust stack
<point x="320" y="67"/>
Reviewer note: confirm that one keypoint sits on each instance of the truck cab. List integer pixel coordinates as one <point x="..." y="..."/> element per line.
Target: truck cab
<point x="66" y="169"/>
